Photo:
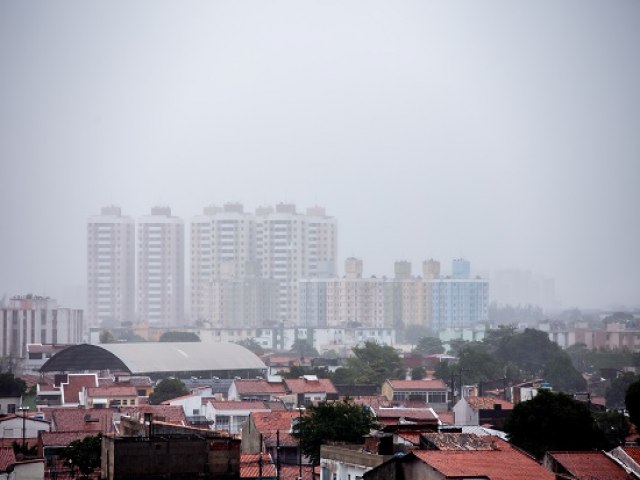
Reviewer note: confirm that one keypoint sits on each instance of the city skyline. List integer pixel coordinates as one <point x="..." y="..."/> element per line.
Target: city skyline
<point x="505" y="134"/>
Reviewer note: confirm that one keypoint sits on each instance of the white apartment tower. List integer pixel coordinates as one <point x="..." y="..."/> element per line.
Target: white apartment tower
<point x="110" y="267"/>
<point x="222" y="246"/>
<point x="284" y="244"/>
<point x="291" y="246"/>
<point x="161" y="268"/>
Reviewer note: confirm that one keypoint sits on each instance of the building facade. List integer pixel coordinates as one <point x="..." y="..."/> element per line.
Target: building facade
<point x="160" y="292"/>
<point x="31" y="319"/>
<point x="110" y="268"/>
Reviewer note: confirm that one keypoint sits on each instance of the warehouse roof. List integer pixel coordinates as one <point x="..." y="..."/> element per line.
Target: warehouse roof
<point x="155" y="357"/>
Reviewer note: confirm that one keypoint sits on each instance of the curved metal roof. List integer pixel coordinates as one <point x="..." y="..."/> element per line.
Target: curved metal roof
<point x="158" y="357"/>
<point x="83" y="357"/>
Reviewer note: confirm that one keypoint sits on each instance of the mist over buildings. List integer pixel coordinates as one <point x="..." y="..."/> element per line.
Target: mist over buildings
<point x="503" y="133"/>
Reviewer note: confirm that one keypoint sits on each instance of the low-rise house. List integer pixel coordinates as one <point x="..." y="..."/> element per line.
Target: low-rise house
<point x="481" y="411"/>
<point x="584" y="466"/>
<point x="270" y="432"/>
<point x="18" y="427"/>
<point x="111" y="396"/>
<point x="230" y="416"/>
<point x="309" y="389"/>
<point x="500" y="462"/>
<point x="12" y="469"/>
<point x="257" y="389"/>
<point x="9" y="405"/>
<point x="399" y="416"/>
<point x="431" y="392"/>
<point x="347" y="462"/>
<point x="73" y="387"/>
<point x="191" y="404"/>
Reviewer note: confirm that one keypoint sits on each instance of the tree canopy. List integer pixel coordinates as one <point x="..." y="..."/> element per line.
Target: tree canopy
<point x="342" y="421"/>
<point x="179" y="337"/>
<point x="10" y="386"/>
<point x="553" y="421"/>
<point x="84" y="454"/>
<point x="429" y="346"/>
<point x="303" y="348"/>
<point x="166" y="390"/>
<point x="252" y="345"/>
<point x="632" y="402"/>
<point x="371" y="364"/>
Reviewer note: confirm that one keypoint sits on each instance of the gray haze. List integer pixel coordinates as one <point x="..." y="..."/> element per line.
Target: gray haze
<point x="505" y="132"/>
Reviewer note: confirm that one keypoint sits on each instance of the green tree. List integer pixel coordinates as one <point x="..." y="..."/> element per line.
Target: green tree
<point x="373" y="363"/>
<point x="84" y="454"/>
<point x="342" y="421"/>
<point x="560" y="372"/>
<point x="632" y="402"/>
<point x="10" y="386"/>
<point x="614" y="427"/>
<point x="553" y="421"/>
<point x="429" y="346"/>
<point x="166" y="390"/>
<point x="303" y="348"/>
<point x="418" y="373"/>
<point x="107" y="337"/>
<point x="478" y="364"/>
<point x="253" y="345"/>
<point x="616" y="392"/>
<point x="179" y="337"/>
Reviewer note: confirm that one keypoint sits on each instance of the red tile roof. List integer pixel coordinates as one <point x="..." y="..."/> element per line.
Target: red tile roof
<point x="504" y="463"/>
<point x="79" y="419"/>
<point x="62" y="439"/>
<point x="292" y="472"/>
<point x="239" y="405"/>
<point x="633" y="452"/>
<point x="446" y="417"/>
<point x="7" y="458"/>
<point x="112" y="391"/>
<point x="250" y="466"/>
<point x="301" y="385"/>
<point x="417" y="384"/>
<point x="74" y="385"/>
<point x="259" y="386"/>
<point x="487" y="403"/>
<point x="590" y="465"/>
<point x="268" y="423"/>
<point x="411" y="437"/>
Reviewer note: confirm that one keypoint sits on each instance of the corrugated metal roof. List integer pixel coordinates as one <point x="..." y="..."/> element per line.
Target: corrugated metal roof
<point x="184" y="356"/>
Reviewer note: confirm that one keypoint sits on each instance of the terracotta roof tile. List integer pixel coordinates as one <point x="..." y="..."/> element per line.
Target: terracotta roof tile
<point x="417" y="384"/>
<point x="250" y="466"/>
<point x="268" y="423"/>
<point x="62" y="439"/>
<point x="239" y="405"/>
<point x="487" y="403"/>
<point x="406" y="413"/>
<point x="7" y="458"/>
<point x="258" y="386"/>
<point x="301" y="385"/>
<point x="292" y="472"/>
<point x="79" y="419"/>
<point x="112" y="391"/>
<point x="590" y="465"/>
<point x="504" y="463"/>
<point x="633" y="452"/>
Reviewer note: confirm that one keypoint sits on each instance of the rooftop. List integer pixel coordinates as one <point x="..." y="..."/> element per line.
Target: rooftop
<point x="488" y="403"/>
<point x="589" y="465"/>
<point x="417" y="384"/>
<point x="304" y="385"/>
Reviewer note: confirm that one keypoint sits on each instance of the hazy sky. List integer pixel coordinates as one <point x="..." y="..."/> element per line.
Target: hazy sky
<point x="507" y="132"/>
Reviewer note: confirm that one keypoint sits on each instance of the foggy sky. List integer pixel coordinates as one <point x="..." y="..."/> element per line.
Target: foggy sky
<point x="505" y="132"/>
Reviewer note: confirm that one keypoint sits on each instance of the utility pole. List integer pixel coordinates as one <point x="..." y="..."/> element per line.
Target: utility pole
<point x="24" y="411"/>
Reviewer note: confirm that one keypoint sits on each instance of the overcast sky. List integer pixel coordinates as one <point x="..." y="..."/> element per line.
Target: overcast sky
<point x="507" y="132"/>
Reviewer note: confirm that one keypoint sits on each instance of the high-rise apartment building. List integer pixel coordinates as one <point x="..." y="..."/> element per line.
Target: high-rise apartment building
<point x="110" y="267"/>
<point x="285" y="244"/>
<point x="222" y="247"/>
<point x="160" y="268"/>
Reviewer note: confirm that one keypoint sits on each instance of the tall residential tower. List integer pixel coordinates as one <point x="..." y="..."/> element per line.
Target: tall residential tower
<point x="110" y="267"/>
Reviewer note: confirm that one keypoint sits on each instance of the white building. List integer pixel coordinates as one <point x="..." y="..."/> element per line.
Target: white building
<point x="161" y="268"/>
<point x="110" y="268"/>
<point x="32" y="319"/>
<point x="222" y="244"/>
<point x="279" y="243"/>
